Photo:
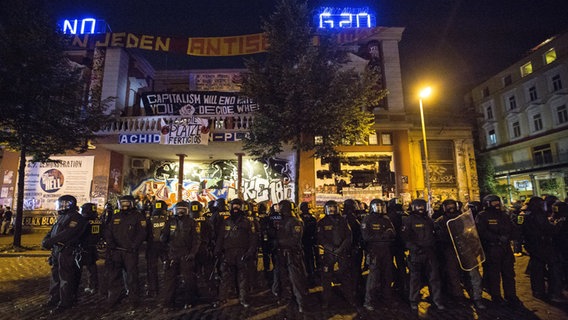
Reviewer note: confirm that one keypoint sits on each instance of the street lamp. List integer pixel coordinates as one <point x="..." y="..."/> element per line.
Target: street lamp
<point x="424" y="94"/>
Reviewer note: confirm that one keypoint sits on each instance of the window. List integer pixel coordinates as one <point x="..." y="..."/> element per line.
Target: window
<point x="485" y="92"/>
<point x="537" y="122"/>
<point x="373" y="138"/>
<point x="542" y="154"/>
<point x="556" y="83"/>
<point x="489" y="113"/>
<point x="562" y="114"/>
<point x="532" y="93"/>
<point x="512" y="103"/>
<point x="526" y="69"/>
<point x="550" y="56"/>
<point x="386" y="139"/>
<point x="492" y="138"/>
<point x="516" y="129"/>
<point x="318" y="140"/>
<point x="507" y="80"/>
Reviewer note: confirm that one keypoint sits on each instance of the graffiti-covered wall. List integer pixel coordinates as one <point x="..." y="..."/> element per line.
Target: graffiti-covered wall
<point x="271" y="180"/>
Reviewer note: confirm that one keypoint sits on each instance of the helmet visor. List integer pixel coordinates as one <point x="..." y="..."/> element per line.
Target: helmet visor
<point x="61" y="205"/>
<point x="180" y="211"/>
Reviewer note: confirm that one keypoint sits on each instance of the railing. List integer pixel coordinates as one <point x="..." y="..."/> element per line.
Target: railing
<point x="217" y="123"/>
<point x="559" y="159"/>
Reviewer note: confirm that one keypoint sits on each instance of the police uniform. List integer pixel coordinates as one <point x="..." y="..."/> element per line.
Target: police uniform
<point x="182" y="241"/>
<point x="395" y="213"/>
<point x="308" y="244"/>
<point x="124" y="235"/>
<point x="89" y="255"/>
<point x="495" y="228"/>
<point x="418" y="233"/>
<point x="237" y="244"/>
<point x="334" y="238"/>
<point x="378" y="233"/>
<point x="291" y="269"/>
<point x="63" y="239"/>
<point x="155" y="249"/>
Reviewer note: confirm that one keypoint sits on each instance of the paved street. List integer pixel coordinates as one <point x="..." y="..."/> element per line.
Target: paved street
<point x="25" y="280"/>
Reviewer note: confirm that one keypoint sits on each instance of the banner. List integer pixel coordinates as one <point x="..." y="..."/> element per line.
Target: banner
<point x="45" y="182"/>
<point x="201" y="46"/>
<point x="186" y="131"/>
<point x="196" y="103"/>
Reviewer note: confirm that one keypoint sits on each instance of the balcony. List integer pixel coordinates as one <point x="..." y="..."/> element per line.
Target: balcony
<point x="559" y="160"/>
<point x="154" y="124"/>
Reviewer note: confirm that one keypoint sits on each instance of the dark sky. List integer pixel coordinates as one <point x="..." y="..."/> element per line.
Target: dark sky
<point x="452" y="44"/>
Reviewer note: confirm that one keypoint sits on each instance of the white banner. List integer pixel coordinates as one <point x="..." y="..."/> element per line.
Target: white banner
<point x="186" y="131"/>
<point x="45" y="182"/>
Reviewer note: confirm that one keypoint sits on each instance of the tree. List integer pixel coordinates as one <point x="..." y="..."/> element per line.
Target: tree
<point x="486" y="176"/>
<point x="305" y="90"/>
<point x="43" y="100"/>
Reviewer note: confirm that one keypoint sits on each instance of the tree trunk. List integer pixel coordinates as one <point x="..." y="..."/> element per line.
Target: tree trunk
<point x="20" y="201"/>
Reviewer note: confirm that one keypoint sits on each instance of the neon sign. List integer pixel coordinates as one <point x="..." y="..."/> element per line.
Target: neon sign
<point x="343" y="18"/>
<point x="83" y="26"/>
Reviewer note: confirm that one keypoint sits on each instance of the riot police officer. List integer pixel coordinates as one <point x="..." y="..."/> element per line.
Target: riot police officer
<point x="378" y="234"/>
<point x="309" y="241"/>
<point x="539" y="235"/>
<point x="350" y="211"/>
<point x="63" y="239"/>
<point x="495" y="228"/>
<point x="180" y="237"/>
<point x="204" y="256"/>
<point x="89" y="242"/>
<point x="334" y="241"/>
<point x="418" y="234"/>
<point x="155" y="249"/>
<point x="291" y="269"/>
<point x="124" y="236"/>
<point x="236" y="245"/>
<point x="265" y="243"/>
<point x="274" y="224"/>
<point x="395" y="213"/>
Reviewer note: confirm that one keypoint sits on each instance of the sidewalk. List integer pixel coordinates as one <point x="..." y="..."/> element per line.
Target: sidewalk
<point x="31" y="242"/>
<point x="25" y="282"/>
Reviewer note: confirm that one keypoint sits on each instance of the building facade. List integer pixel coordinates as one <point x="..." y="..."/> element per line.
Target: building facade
<point x="180" y="132"/>
<point x="523" y="122"/>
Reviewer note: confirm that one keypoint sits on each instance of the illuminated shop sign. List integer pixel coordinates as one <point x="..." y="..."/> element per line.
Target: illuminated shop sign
<point x="344" y="18"/>
<point x="83" y="26"/>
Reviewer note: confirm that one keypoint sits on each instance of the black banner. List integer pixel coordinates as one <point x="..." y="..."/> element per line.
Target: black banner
<point x="196" y="103"/>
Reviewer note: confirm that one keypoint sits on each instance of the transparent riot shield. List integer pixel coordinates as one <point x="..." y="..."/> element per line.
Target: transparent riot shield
<point x="466" y="241"/>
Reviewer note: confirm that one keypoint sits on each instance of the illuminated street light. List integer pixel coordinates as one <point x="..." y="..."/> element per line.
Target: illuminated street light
<point x="424" y="94"/>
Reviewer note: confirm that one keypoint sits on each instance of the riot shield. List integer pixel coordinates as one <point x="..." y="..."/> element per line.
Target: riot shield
<point x="466" y="241"/>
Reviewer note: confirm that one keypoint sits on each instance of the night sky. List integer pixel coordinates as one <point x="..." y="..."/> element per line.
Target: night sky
<point x="452" y="44"/>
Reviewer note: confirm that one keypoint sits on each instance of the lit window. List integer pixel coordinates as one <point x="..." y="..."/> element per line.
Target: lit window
<point x="373" y="138"/>
<point x="526" y="69"/>
<point x="489" y="113"/>
<point x="550" y="56"/>
<point x="562" y="114"/>
<point x="542" y="154"/>
<point x="532" y="93"/>
<point x="386" y="139"/>
<point x="318" y="140"/>
<point x="512" y="103"/>
<point x="556" y="83"/>
<point x="516" y="129"/>
<point x="492" y="138"/>
<point x="537" y="122"/>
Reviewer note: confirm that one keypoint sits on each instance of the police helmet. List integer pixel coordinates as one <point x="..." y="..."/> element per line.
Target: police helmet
<point x="350" y="206"/>
<point x="286" y="207"/>
<point x="262" y="208"/>
<point x="418" y="205"/>
<point x="65" y="203"/>
<point x="331" y="208"/>
<point x="181" y="208"/>
<point x="160" y="207"/>
<point x="126" y="202"/>
<point x="305" y="207"/>
<point x="220" y="204"/>
<point x="491" y="201"/>
<point x="475" y="207"/>
<point x="536" y="203"/>
<point x="450" y="205"/>
<point x="195" y="208"/>
<point x="377" y="206"/>
<point x="89" y="210"/>
<point x="560" y="210"/>
<point x="549" y="201"/>
<point x="237" y="203"/>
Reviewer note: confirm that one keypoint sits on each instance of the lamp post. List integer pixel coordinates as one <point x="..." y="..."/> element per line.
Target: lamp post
<point x="424" y="94"/>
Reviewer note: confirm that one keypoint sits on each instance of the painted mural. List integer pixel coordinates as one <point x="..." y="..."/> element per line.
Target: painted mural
<point x="271" y="180"/>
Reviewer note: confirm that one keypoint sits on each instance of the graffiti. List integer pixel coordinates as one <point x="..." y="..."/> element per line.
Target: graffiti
<point x="99" y="187"/>
<point x="270" y="180"/>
